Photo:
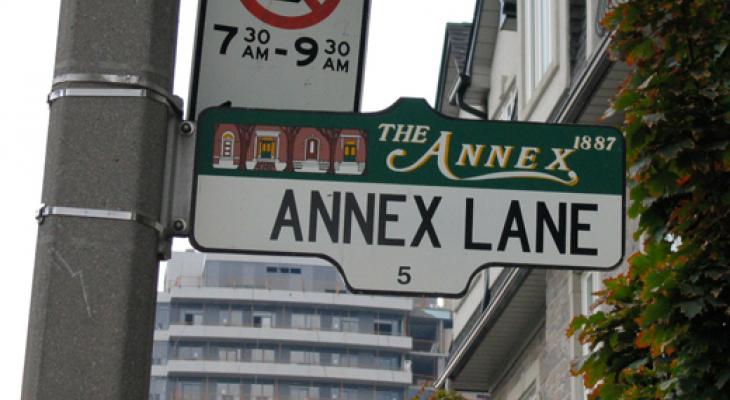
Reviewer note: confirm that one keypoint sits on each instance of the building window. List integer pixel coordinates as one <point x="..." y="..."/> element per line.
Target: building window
<point x="383" y="327"/>
<point x="190" y="352"/>
<point x="228" y="391"/>
<point x="336" y="323"/>
<point x="312" y="152"/>
<point x="304" y="357"/>
<point x="158" y="388"/>
<point x="229" y="354"/>
<point x="350" y="325"/>
<point x="539" y="37"/>
<point x="584" y="286"/>
<point x="305" y="321"/>
<point x="263" y="319"/>
<point x="350" y="150"/>
<point x="190" y="391"/>
<point x="193" y="317"/>
<point x="262" y="391"/>
<point x="263" y="355"/>
<point x="299" y="392"/>
<point x="386" y="394"/>
<point x="589" y="284"/>
<point x="507" y="110"/>
<point x="267" y="148"/>
<point x="227" y="145"/>
<point x="159" y="353"/>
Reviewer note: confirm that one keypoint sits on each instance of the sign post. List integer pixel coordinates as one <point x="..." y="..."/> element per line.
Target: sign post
<point x="91" y="320"/>
<point x="406" y="200"/>
<point x="279" y="54"/>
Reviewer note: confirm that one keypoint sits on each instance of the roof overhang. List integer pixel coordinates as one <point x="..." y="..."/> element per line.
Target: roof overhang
<point x="473" y="87"/>
<point x="590" y="94"/>
<point x="452" y="62"/>
<point x="501" y="330"/>
<point x="478" y="68"/>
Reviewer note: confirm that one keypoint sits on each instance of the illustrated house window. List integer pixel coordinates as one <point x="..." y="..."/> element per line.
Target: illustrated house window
<point x="312" y="146"/>
<point x="350" y="150"/>
<point x="227" y="146"/>
<point x="267" y="148"/>
<point x="539" y="39"/>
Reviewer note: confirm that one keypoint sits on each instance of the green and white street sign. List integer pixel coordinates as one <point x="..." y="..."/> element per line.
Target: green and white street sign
<point x="407" y="200"/>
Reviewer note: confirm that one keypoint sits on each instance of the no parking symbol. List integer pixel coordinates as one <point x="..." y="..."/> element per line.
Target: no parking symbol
<point x="317" y="13"/>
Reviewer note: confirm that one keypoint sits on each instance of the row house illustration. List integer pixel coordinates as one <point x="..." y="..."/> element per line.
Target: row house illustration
<point x="226" y="148"/>
<point x="313" y="150"/>
<point x="267" y="150"/>
<point x="351" y="153"/>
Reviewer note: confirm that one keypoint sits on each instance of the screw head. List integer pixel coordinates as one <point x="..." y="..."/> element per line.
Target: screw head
<point x="187" y="128"/>
<point x="179" y="225"/>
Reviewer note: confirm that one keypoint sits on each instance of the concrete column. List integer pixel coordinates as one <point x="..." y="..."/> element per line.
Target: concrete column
<point x="92" y="308"/>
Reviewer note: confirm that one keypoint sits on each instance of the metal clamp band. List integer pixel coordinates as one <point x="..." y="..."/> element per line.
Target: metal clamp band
<point x="143" y="88"/>
<point x="47" y="211"/>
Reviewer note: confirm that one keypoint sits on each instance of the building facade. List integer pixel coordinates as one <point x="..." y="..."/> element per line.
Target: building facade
<point x="539" y="61"/>
<point x="231" y="328"/>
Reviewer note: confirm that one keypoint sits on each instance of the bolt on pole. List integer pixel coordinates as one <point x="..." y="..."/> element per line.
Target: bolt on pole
<point x="94" y="287"/>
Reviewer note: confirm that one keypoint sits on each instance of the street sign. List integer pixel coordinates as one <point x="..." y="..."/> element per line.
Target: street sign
<point x="407" y="200"/>
<point x="279" y="54"/>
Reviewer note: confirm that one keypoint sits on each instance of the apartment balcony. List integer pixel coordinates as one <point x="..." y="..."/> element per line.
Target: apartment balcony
<point x="291" y="335"/>
<point x="263" y="295"/>
<point x="202" y="368"/>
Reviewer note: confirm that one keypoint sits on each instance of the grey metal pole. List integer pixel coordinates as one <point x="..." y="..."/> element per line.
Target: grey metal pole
<point x="92" y="308"/>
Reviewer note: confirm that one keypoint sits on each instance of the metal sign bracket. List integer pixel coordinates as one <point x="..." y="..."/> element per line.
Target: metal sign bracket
<point x="178" y="183"/>
<point x="134" y="216"/>
<point x="179" y="157"/>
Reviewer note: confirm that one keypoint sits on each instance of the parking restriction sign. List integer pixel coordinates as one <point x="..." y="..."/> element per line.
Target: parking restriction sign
<point x="279" y="54"/>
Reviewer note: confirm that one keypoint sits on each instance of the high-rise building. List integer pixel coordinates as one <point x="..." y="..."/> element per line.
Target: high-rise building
<point x="232" y="327"/>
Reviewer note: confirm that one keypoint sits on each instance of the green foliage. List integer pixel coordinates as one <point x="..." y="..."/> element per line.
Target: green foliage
<point x="667" y="334"/>
<point x="440" y="394"/>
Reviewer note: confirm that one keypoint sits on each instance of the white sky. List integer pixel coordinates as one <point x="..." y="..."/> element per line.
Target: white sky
<point x="404" y="51"/>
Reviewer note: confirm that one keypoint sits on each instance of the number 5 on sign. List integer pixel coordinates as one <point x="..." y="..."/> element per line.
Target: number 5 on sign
<point x="404" y="275"/>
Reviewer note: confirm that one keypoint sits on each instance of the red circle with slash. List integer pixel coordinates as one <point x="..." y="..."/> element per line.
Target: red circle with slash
<point x="317" y="13"/>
